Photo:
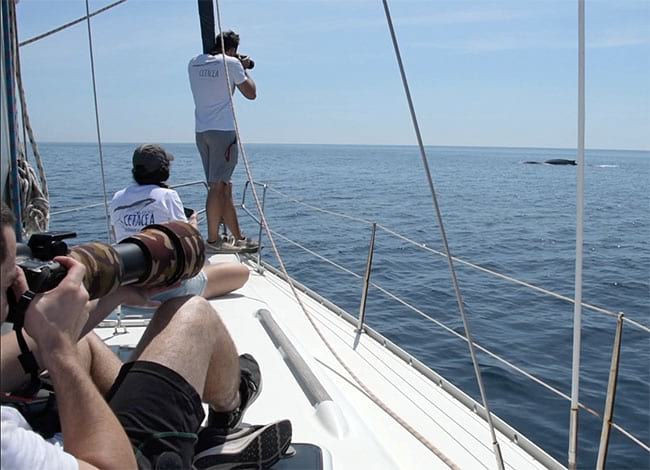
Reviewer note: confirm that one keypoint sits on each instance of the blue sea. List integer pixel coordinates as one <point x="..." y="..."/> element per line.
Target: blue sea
<point x="514" y="218"/>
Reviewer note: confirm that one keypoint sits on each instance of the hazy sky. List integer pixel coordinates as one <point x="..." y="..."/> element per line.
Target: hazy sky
<point x="493" y="73"/>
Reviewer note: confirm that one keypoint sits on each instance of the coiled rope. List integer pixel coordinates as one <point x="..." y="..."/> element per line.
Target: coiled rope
<point x="34" y="195"/>
<point x="429" y="445"/>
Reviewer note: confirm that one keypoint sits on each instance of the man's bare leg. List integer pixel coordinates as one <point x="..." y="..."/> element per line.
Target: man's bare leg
<point x="208" y="361"/>
<point x="224" y="278"/>
<point x="229" y="213"/>
<point x="102" y="364"/>
<point x="214" y="208"/>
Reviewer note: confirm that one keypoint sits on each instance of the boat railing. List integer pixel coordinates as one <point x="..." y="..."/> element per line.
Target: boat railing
<point x="200" y="212"/>
<point x="362" y="327"/>
<point x="621" y="319"/>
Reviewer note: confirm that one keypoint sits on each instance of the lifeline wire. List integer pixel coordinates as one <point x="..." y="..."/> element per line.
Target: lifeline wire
<point x="505" y="277"/>
<point x="452" y="271"/>
<point x="309" y="317"/>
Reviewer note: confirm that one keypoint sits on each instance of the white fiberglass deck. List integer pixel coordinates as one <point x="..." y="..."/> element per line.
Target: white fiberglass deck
<point x="352" y="431"/>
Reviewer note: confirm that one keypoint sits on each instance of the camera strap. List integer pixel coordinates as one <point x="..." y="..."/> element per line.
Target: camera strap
<point x="16" y="315"/>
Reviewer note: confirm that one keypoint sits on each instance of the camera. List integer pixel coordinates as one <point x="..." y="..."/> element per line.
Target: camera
<point x="246" y="61"/>
<point x="159" y="255"/>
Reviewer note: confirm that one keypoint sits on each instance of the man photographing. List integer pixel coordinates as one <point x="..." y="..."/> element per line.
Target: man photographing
<point x="146" y="413"/>
<point x="216" y="138"/>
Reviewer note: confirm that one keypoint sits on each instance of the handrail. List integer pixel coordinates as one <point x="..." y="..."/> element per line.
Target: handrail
<point x="621" y="318"/>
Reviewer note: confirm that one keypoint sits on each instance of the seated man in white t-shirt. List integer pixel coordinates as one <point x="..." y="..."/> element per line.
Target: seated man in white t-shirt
<point x="150" y="201"/>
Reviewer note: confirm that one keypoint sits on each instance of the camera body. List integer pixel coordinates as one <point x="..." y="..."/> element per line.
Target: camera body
<point x="35" y="259"/>
<point x="246" y="61"/>
<point x="42" y="275"/>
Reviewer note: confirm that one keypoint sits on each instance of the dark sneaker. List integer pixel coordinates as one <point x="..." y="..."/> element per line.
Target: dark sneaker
<point x="250" y="387"/>
<point x="246" y="447"/>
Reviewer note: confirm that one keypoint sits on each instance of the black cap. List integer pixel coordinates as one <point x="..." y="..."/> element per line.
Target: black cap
<point x="151" y="157"/>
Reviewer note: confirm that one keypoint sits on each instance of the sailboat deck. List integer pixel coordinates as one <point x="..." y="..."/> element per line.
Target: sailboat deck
<point x="345" y="427"/>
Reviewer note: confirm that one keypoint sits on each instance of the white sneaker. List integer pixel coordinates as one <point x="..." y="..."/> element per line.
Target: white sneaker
<point x="220" y="247"/>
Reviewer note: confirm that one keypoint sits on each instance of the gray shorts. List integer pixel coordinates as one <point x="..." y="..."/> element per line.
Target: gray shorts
<point x="219" y="154"/>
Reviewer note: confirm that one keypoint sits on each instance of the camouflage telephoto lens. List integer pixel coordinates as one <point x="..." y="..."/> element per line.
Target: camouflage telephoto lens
<point x="174" y="252"/>
<point x="160" y="255"/>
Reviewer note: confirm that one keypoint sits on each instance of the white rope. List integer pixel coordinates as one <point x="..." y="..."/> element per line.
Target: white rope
<point x="580" y="204"/>
<point x="34" y="205"/>
<point x="309" y="317"/>
<point x="109" y="232"/>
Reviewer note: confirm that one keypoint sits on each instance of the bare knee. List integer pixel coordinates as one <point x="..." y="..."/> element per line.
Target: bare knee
<point x="224" y="278"/>
<point x="191" y="312"/>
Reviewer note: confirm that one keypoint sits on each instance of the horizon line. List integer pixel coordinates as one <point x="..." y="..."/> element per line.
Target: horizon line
<point x="355" y="145"/>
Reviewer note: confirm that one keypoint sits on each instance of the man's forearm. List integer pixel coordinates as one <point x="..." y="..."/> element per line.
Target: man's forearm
<point x="102" y="308"/>
<point x="91" y="431"/>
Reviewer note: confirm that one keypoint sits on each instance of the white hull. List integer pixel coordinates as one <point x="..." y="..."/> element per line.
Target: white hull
<point x="353" y="431"/>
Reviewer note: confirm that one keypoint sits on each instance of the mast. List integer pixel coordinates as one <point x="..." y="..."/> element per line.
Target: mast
<point x="206" y="17"/>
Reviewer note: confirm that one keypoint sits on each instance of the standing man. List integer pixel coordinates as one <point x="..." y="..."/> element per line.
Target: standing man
<point x="216" y="138"/>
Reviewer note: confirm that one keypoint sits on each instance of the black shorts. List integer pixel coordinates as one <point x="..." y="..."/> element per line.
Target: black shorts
<point x="159" y="410"/>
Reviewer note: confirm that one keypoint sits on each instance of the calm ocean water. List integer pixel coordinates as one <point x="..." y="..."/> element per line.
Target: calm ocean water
<point x="510" y="217"/>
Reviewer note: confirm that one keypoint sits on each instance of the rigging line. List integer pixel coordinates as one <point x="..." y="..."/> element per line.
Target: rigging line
<point x="505" y="277"/>
<point x="452" y="271"/>
<point x="325" y="211"/>
<point x="313" y="253"/>
<point x="99" y="136"/>
<point x="631" y="437"/>
<point x="27" y="127"/>
<point x="309" y="317"/>
<point x="71" y="23"/>
<point x="580" y="205"/>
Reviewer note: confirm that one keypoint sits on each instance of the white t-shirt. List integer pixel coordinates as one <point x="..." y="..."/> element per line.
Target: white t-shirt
<point x="207" y="74"/>
<point x="137" y="206"/>
<point x="22" y="448"/>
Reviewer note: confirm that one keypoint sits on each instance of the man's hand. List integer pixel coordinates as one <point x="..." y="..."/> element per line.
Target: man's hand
<point x="193" y="220"/>
<point x="20" y="283"/>
<point x="55" y="318"/>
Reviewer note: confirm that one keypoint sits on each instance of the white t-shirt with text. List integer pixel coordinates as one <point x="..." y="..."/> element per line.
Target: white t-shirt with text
<point x="24" y="449"/>
<point x="137" y="206"/>
<point x="207" y="74"/>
